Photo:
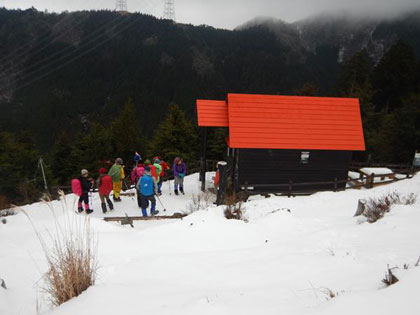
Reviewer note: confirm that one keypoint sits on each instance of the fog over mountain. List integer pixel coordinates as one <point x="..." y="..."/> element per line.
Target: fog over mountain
<point x="349" y="31"/>
<point x="229" y="14"/>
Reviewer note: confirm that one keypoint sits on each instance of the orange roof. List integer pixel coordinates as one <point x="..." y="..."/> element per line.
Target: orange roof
<point x="287" y="122"/>
<point x="212" y="113"/>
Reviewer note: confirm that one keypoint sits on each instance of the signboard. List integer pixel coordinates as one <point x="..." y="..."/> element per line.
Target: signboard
<point x="416" y="161"/>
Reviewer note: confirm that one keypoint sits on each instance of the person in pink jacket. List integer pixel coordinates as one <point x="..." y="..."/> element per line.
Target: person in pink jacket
<point x="137" y="172"/>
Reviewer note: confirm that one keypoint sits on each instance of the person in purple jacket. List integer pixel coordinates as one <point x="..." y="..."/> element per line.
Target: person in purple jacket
<point x="180" y="170"/>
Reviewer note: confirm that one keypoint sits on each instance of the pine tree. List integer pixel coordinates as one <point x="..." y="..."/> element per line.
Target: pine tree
<point x="61" y="161"/>
<point x="126" y="135"/>
<point x="216" y="143"/>
<point x="19" y="166"/>
<point x="395" y="76"/>
<point x="354" y="75"/>
<point x="406" y="135"/>
<point x="176" y="137"/>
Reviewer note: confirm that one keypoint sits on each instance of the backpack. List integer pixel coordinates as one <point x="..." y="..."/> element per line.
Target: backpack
<point x="76" y="187"/>
<point x="146" y="185"/>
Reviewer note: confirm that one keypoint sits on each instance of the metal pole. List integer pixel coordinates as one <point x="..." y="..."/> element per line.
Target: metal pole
<point x="203" y="163"/>
<point x="43" y="173"/>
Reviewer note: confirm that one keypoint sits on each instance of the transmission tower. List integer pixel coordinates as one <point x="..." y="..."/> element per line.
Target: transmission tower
<point x="121" y="5"/>
<point x="169" y="10"/>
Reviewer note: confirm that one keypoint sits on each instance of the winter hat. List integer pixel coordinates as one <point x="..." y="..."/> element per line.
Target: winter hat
<point x="119" y="161"/>
<point x="147" y="169"/>
<point x="176" y="161"/>
<point x="157" y="161"/>
<point x="84" y="172"/>
<point x="102" y="171"/>
<point x="147" y="162"/>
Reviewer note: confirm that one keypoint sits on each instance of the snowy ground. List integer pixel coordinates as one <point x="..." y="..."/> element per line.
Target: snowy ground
<point x="283" y="261"/>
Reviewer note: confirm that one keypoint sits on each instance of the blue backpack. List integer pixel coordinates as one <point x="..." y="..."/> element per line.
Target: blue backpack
<point x="146" y="185"/>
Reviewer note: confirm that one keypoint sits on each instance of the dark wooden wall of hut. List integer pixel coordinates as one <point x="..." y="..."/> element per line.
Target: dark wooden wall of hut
<point x="261" y="166"/>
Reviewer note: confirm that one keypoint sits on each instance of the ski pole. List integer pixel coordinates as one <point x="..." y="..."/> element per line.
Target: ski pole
<point x="164" y="209"/>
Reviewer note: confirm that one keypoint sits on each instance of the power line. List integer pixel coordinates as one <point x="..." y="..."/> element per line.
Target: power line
<point x="76" y="57"/>
<point x="68" y="51"/>
<point x="50" y="60"/>
<point x="25" y="49"/>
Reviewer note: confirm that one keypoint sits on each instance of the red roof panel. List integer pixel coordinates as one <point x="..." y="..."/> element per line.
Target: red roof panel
<point x="293" y="122"/>
<point x="212" y="113"/>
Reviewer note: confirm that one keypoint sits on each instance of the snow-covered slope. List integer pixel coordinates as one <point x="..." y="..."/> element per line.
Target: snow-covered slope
<point x="285" y="260"/>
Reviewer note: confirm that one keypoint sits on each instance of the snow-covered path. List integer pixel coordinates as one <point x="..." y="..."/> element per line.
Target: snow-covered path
<point x="280" y="262"/>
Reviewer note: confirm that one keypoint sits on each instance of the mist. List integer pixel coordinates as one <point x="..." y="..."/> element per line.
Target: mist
<point x="230" y="14"/>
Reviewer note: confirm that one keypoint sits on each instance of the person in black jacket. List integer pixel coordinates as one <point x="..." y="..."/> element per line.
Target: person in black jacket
<point x="87" y="184"/>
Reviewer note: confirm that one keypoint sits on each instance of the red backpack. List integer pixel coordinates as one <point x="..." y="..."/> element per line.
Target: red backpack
<point x="76" y="187"/>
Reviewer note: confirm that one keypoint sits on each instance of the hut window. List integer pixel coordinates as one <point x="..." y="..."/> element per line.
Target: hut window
<point x="304" y="157"/>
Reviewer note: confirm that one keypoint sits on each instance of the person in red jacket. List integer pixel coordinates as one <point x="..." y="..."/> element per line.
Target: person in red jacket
<point x="152" y="169"/>
<point x="105" y="187"/>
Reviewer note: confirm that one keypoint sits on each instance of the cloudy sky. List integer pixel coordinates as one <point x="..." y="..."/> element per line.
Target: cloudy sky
<point x="230" y="13"/>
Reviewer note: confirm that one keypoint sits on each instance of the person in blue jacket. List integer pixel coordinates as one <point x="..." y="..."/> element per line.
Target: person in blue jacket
<point x="147" y="188"/>
<point x="180" y="170"/>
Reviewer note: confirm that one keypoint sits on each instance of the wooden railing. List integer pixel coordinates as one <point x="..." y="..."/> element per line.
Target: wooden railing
<point x="291" y="189"/>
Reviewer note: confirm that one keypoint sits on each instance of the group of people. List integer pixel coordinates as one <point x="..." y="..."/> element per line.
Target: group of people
<point x="147" y="177"/>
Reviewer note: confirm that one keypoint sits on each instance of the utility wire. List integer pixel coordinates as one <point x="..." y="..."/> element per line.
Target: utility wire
<point x="91" y="40"/>
<point x="19" y="53"/>
<point x="57" y="56"/>
<point x="74" y="58"/>
<point x="25" y="49"/>
<point x="46" y="62"/>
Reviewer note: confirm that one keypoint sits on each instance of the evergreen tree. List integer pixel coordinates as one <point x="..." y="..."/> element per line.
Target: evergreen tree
<point x="395" y="76"/>
<point x="176" y="136"/>
<point x="406" y="133"/>
<point x="90" y="149"/>
<point x="126" y="135"/>
<point x="22" y="177"/>
<point x="216" y="143"/>
<point x="354" y="81"/>
<point x="354" y="75"/>
<point x="61" y="160"/>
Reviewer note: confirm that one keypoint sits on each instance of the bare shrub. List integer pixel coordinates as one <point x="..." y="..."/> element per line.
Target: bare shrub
<point x="329" y="294"/>
<point x="199" y="202"/>
<point x="234" y="209"/>
<point x="4" y="203"/>
<point x="390" y="278"/>
<point x="376" y="208"/>
<point x="29" y="192"/>
<point x="72" y="263"/>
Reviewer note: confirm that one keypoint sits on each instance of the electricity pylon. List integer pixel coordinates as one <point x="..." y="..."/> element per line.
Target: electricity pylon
<point x="169" y="10"/>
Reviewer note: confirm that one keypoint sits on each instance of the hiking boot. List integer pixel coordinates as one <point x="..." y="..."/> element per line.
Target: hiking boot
<point x="176" y="192"/>
<point x="80" y="210"/>
<point x="118" y="199"/>
<point x="89" y="211"/>
<point x="182" y="190"/>
<point x="103" y="205"/>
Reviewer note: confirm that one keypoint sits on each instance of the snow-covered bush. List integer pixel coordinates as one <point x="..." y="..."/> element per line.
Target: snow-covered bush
<point x="72" y="263"/>
<point x="376" y="208"/>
